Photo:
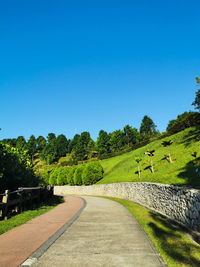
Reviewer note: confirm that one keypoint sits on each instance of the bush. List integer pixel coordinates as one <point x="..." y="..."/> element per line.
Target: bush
<point x="62" y="176"/>
<point x="44" y="176"/>
<point x="78" y="175"/>
<point x="92" y="173"/>
<point x="53" y="176"/>
<point x="70" y="177"/>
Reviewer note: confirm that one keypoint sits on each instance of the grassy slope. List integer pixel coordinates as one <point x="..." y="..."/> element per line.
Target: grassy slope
<point x="173" y="245"/>
<point x="124" y="168"/>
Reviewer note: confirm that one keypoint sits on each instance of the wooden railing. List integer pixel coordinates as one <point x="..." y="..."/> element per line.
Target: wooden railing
<point x="23" y="198"/>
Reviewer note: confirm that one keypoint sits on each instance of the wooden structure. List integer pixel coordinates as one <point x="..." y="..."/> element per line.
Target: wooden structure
<point x="23" y="198"/>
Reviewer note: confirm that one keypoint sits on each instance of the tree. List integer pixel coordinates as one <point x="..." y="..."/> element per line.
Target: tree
<point x="49" y="152"/>
<point x="41" y="143"/>
<point x="168" y="144"/>
<point x="32" y="146"/>
<point x="80" y="150"/>
<point x="21" y="143"/>
<point x="61" y="145"/>
<point x="148" y="128"/>
<point x="150" y="154"/>
<point x="51" y="137"/>
<point x="196" y="102"/>
<point x="85" y="139"/>
<point x="103" y="142"/>
<point x="138" y="159"/>
<point x="131" y="135"/>
<point x="116" y="140"/>
<point x="73" y="142"/>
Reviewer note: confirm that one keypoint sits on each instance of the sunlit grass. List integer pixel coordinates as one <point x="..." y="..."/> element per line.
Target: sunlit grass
<point x="123" y="168"/>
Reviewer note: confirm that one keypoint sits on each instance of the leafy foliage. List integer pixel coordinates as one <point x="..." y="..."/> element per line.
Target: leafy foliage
<point x="196" y="102"/>
<point x="15" y="169"/>
<point x="148" y="128"/>
<point x="92" y="173"/>
<point x="78" y="175"/>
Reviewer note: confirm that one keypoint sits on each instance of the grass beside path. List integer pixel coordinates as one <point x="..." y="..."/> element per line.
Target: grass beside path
<point x="25" y="216"/>
<point x="173" y="245"/>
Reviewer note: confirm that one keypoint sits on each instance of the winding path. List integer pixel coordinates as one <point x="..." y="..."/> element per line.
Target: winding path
<point x="105" y="234"/>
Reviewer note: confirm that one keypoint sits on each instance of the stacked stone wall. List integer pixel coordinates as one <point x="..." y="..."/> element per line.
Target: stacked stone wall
<point x="180" y="204"/>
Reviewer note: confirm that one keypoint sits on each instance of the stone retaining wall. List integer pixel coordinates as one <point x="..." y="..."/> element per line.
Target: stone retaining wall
<point x="177" y="203"/>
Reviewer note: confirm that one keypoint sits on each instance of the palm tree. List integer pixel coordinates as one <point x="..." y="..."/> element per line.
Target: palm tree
<point x="138" y="159"/>
<point x="168" y="144"/>
<point x="150" y="154"/>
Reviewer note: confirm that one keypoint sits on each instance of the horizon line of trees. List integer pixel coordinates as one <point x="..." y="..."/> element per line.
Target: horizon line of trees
<point x="82" y="147"/>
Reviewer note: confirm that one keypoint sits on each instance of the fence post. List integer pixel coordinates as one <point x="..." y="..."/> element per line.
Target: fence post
<point x="5" y="201"/>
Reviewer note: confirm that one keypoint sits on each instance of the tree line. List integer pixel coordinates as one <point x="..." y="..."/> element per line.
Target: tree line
<point x="82" y="147"/>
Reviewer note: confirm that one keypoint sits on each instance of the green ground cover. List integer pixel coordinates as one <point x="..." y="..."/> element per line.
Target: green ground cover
<point x="123" y="168"/>
<point x="175" y="247"/>
<point x="25" y="216"/>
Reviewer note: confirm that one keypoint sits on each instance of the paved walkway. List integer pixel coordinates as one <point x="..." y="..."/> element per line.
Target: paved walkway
<point x="105" y="234"/>
<point x="19" y="243"/>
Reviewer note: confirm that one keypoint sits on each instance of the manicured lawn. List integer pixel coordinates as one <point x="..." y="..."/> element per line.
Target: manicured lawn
<point x="25" y="216"/>
<point x="173" y="245"/>
<point x="123" y="168"/>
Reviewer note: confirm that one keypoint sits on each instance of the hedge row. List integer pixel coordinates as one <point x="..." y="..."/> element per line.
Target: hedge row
<point x="77" y="175"/>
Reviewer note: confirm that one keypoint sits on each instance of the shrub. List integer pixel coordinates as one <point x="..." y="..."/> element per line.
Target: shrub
<point x="70" y="177"/>
<point x="53" y="176"/>
<point x="92" y="173"/>
<point x="78" y="175"/>
<point x="44" y="176"/>
<point x="62" y="176"/>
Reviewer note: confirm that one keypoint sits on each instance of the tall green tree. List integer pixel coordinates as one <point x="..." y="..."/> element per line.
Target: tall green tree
<point x="116" y="140"/>
<point x="85" y="139"/>
<point x="131" y="135"/>
<point x="147" y="128"/>
<point x="41" y="143"/>
<point x="32" y="147"/>
<point x="51" y="137"/>
<point x="103" y="142"/>
<point x="73" y="142"/>
<point x="61" y="145"/>
<point x="21" y="143"/>
<point x="49" y="153"/>
<point x="196" y="102"/>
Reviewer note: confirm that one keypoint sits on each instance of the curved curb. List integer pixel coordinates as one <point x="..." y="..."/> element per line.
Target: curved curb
<point x="40" y="251"/>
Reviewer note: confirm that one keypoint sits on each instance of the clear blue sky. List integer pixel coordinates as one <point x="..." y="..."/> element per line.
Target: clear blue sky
<point x="73" y="66"/>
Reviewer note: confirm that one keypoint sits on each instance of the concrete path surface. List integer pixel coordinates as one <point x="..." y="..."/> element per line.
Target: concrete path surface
<point x="19" y="243"/>
<point x="105" y="234"/>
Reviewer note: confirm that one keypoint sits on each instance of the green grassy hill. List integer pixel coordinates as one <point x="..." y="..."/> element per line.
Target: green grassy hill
<point x="123" y="168"/>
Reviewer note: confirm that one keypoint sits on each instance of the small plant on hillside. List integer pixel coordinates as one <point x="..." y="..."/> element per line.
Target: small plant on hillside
<point x="138" y="159"/>
<point x="168" y="144"/>
<point x="150" y="154"/>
